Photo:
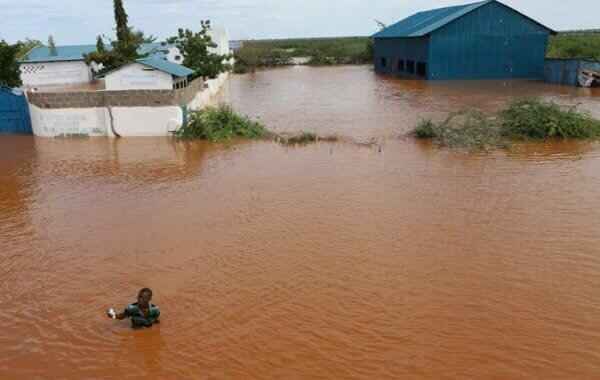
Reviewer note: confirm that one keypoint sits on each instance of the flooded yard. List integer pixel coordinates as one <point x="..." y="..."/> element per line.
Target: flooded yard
<point x="332" y="260"/>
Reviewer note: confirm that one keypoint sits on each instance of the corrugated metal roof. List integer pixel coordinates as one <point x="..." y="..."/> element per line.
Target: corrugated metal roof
<point x="423" y="23"/>
<point x="76" y="52"/>
<point x="166" y="66"/>
<point x="64" y="53"/>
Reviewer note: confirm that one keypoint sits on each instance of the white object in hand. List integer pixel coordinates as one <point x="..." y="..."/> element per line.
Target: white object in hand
<point x="112" y="313"/>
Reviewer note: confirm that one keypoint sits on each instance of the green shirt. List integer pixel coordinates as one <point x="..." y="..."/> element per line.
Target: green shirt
<point x="137" y="318"/>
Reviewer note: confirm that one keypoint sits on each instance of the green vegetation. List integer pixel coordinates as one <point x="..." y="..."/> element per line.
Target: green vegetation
<point x="10" y="75"/>
<point x="359" y="50"/>
<point x="26" y="46"/>
<point x="523" y="119"/>
<point x="574" y="46"/>
<point x="124" y="50"/>
<point x="463" y="129"/>
<point x="194" y="48"/>
<point x="219" y="124"/>
<point x="342" y="50"/>
<point x="52" y="46"/>
<point x="304" y="138"/>
<point x="533" y="118"/>
<point x="301" y="138"/>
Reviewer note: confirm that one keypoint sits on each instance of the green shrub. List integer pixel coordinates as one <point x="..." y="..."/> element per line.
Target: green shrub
<point x="463" y="129"/>
<point x="574" y="46"/>
<point x="533" y="118"/>
<point x="424" y="130"/>
<point x="526" y="118"/>
<point x="219" y="124"/>
<point x="304" y="138"/>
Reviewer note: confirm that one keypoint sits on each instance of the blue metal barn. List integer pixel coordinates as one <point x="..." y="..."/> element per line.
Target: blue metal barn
<point x="485" y="40"/>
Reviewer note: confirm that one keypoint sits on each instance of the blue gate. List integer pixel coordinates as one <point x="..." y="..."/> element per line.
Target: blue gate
<point x="14" y="112"/>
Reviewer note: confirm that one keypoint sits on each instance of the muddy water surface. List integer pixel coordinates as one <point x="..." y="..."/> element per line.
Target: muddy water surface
<point x="327" y="261"/>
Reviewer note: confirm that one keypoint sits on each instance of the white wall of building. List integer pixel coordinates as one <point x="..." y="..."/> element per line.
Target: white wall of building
<point x="138" y="77"/>
<point x="219" y="36"/>
<point x="53" y="73"/>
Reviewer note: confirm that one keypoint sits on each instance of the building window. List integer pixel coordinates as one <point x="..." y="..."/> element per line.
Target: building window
<point x="410" y="66"/>
<point x="383" y="62"/>
<point x="401" y="65"/>
<point x="422" y="69"/>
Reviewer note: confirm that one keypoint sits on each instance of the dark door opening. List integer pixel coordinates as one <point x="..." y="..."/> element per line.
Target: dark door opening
<point x="422" y="69"/>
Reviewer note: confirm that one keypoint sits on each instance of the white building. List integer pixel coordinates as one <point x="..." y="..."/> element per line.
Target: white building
<point x="219" y="36"/>
<point x="148" y="74"/>
<point x="67" y="66"/>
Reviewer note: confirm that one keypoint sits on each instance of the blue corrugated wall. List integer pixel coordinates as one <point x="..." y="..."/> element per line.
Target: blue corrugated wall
<point x="14" y="112"/>
<point x="400" y="49"/>
<point x="565" y="71"/>
<point x="492" y="42"/>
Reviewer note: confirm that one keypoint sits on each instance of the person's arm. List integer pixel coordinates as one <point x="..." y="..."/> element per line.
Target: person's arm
<point x="157" y="318"/>
<point x="119" y="316"/>
<point x="122" y="315"/>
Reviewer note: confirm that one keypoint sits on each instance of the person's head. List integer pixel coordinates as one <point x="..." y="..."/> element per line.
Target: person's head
<point x="144" y="297"/>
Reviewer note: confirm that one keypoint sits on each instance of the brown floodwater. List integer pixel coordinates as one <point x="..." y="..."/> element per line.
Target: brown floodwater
<point x="334" y="260"/>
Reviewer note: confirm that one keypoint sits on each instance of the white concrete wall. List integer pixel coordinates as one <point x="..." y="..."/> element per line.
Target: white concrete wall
<point x="56" y="122"/>
<point x="125" y="121"/>
<point x="138" y="77"/>
<point x="52" y="73"/>
<point x="209" y="95"/>
<point x="145" y="121"/>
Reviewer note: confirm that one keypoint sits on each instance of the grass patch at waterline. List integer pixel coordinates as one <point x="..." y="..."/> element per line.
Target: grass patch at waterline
<point x="534" y="118"/>
<point x="304" y="138"/>
<point x="463" y="129"/>
<point x="523" y="119"/>
<point x="219" y="124"/>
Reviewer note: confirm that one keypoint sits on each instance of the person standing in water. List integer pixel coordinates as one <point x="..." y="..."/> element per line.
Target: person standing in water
<point x="143" y="313"/>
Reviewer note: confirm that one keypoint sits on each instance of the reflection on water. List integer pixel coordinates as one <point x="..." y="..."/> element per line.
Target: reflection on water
<point x="273" y="262"/>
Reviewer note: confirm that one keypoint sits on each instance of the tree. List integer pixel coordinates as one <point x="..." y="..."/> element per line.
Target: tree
<point x="10" y="75"/>
<point x="194" y="49"/>
<point x="26" y="46"/>
<point x="100" y="47"/>
<point x="52" y="46"/>
<point x="121" y="20"/>
<point x="124" y="49"/>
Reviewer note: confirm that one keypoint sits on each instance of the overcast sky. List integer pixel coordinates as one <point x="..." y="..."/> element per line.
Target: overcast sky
<point x="79" y="21"/>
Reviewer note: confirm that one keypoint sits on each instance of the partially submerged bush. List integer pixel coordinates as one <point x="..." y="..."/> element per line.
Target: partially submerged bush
<point x="219" y="124"/>
<point x="527" y="118"/>
<point x="533" y="118"/>
<point x="304" y="138"/>
<point x="425" y="129"/>
<point x="463" y="129"/>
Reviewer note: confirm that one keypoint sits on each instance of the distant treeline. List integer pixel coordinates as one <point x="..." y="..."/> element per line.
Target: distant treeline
<point x="574" y="46"/>
<point x="359" y="50"/>
<point x="318" y="51"/>
<point x="581" y="31"/>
